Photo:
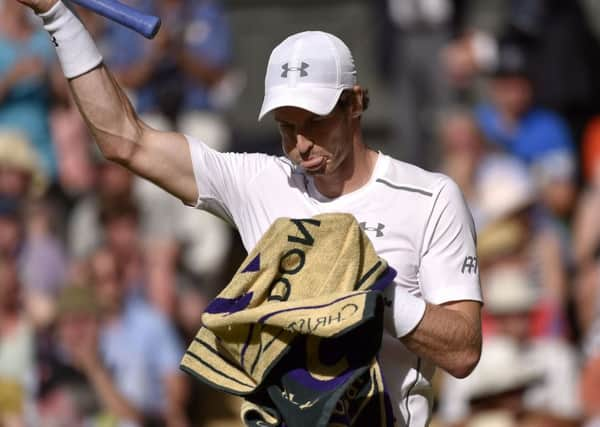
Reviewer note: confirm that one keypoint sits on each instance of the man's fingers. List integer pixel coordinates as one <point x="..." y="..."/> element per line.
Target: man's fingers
<point x="39" y="6"/>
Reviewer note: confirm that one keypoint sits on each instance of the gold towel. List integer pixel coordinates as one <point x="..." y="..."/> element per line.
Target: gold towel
<point x="310" y="277"/>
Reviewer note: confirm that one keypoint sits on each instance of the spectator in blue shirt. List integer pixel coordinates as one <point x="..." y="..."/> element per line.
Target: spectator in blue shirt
<point x="139" y="348"/>
<point x="512" y="122"/>
<point x="26" y="62"/>
<point x="175" y="72"/>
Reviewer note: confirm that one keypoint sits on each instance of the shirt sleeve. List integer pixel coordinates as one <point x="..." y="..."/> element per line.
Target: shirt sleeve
<point x="449" y="270"/>
<point x="224" y="179"/>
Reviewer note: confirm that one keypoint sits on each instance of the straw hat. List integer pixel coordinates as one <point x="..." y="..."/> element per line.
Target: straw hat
<point x="501" y="238"/>
<point x="504" y="186"/>
<point x="509" y="290"/>
<point x="16" y="152"/>
<point x="501" y="369"/>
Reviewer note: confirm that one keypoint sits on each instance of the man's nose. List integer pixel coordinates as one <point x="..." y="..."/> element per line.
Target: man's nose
<point x="303" y="144"/>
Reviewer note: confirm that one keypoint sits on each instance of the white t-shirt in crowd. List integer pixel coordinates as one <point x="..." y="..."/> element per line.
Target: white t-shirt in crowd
<point x="417" y="221"/>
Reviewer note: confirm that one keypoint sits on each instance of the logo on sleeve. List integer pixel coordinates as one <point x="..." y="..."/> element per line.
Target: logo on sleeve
<point x="54" y="42"/>
<point x="469" y="265"/>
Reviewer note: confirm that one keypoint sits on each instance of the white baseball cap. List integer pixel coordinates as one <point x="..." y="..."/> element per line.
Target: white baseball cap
<point x="308" y="70"/>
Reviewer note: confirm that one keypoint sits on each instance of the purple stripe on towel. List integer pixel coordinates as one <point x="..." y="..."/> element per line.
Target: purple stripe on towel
<point x="307" y="380"/>
<point x="253" y="265"/>
<point x="384" y="280"/>
<point x="229" y="305"/>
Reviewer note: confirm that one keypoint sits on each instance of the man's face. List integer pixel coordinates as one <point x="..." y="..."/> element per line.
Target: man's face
<point x="109" y="286"/>
<point x="319" y="144"/>
<point x="512" y="94"/>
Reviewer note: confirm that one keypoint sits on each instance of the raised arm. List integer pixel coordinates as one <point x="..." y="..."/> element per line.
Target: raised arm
<point x="161" y="157"/>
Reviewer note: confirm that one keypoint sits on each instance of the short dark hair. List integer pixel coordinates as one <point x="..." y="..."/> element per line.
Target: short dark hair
<point x="345" y="99"/>
<point x="116" y="209"/>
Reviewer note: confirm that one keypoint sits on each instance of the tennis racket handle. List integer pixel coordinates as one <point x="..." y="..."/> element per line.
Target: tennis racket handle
<point x="146" y="25"/>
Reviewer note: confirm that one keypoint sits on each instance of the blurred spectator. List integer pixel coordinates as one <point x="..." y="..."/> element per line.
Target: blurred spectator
<point x="181" y="81"/>
<point x="33" y="254"/>
<point x="21" y="176"/>
<point x="416" y="33"/>
<point x="74" y="387"/>
<point x="513" y="122"/>
<point x="42" y="258"/>
<point x="73" y="146"/>
<point x="553" y="397"/>
<point x="16" y="349"/>
<point x="590" y="391"/>
<point x="114" y="184"/>
<point x="119" y="220"/>
<point x="511" y="233"/>
<point x="26" y="65"/>
<point x="139" y="347"/>
<point x="168" y="231"/>
<point x="206" y="407"/>
<point x="586" y="242"/>
<point x="563" y="52"/>
<point x="586" y="229"/>
<point x="11" y="228"/>
<point x="554" y="175"/>
<point x="172" y="78"/>
<point x="493" y="395"/>
<point x="462" y="152"/>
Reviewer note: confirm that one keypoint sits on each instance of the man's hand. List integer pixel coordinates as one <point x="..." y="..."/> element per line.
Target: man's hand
<point x="39" y="6"/>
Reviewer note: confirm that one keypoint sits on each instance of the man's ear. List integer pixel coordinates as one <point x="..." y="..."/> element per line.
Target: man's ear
<point x="357" y="102"/>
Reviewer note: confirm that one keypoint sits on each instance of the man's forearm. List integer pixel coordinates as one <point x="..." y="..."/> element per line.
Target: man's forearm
<point x="448" y="337"/>
<point x="108" y="113"/>
<point x="102" y="103"/>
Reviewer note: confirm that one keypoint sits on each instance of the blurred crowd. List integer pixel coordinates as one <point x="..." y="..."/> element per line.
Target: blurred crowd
<point x="103" y="277"/>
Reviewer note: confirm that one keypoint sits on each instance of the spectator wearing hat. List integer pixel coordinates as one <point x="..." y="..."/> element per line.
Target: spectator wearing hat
<point x="27" y="226"/>
<point x="75" y="388"/>
<point x="511" y="233"/>
<point x="27" y="66"/>
<point x="21" y="175"/>
<point x="493" y="394"/>
<point x="512" y="359"/>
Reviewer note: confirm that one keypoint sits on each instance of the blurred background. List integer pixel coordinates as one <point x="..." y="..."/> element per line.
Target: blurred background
<point x="103" y="277"/>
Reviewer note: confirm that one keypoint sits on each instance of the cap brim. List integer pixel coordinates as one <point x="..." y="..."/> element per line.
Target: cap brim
<point x="317" y="100"/>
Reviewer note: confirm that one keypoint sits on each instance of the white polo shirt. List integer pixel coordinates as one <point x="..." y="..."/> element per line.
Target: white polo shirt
<point x="417" y="221"/>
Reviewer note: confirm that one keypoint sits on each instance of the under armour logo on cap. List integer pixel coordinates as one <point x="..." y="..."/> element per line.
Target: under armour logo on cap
<point x="286" y="69"/>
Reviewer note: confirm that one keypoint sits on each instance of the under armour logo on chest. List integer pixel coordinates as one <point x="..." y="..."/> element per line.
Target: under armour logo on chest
<point x="378" y="230"/>
<point x="302" y="69"/>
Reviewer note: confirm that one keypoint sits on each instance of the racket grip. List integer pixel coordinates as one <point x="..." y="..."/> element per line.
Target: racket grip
<point x="146" y="25"/>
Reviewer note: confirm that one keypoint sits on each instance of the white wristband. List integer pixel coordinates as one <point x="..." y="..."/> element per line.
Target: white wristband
<point x="405" y="313"/>
<point x="76" y="50"/>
